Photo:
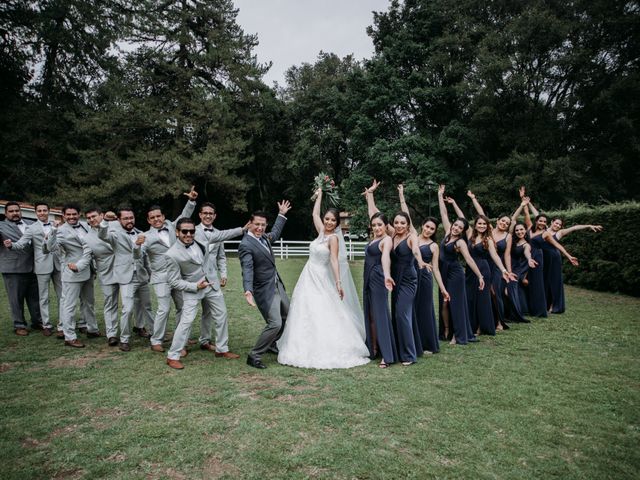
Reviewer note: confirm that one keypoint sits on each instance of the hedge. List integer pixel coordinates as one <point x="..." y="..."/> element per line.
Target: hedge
<point x="609" y="260"/>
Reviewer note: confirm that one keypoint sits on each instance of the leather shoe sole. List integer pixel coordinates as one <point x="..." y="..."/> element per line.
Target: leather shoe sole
<point x="157" y="348"/>
<point x="22" y="332"/>
<point x="255" y="363"/>
<point x="177" y="364"/>
<point x="74" y="343"/>
<point x="229" y="355"/>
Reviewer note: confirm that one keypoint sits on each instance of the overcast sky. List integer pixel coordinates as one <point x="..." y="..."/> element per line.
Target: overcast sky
<point x="291" y="32"/>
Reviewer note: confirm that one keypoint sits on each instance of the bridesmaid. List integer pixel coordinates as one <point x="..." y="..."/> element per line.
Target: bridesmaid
<point x="482" y="250"/>
<point x="375" y="295"/>
<point x="499" y="233"/>
<point x="423" y="306"/>
<point x="519" y="262"/>
<point x="454" y="314"/>
<point x="553" y="264"/>
<point x="403" y="272"/>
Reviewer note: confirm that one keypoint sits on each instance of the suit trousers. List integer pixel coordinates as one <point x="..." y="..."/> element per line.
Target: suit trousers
<point x="71" y="292"/>
<point x="22" y="287"/>
<point x="43" y="291"/>
<point x="135" y="296"/>
<point x="110" y="293"/>
<point x="164" y="294"/>
<point x="216" y="310"/>
<point x="208" y="297"/>
<point x="276" y="319"/>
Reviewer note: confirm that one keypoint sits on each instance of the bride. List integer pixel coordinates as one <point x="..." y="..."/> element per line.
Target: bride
<point x="325" y="327"/>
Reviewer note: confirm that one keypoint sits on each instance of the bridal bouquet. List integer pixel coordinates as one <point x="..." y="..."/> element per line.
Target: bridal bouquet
<point x="330" y="197"/>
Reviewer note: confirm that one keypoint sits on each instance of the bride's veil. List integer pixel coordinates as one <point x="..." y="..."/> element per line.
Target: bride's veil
<point x="351" y="299"/>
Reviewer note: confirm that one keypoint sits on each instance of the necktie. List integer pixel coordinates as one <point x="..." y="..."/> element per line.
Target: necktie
<point x="265" y="242"/>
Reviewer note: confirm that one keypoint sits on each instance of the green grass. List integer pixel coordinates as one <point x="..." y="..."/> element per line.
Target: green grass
<point x="555" y="399"/>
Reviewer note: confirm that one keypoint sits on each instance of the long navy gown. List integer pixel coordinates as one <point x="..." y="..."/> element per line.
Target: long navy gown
<point x="516" y="293"/>
<point x="375" y="298"/>
<point x="480" y="313"/>
<point x="498" y="285"/>
<point x="423" y="308"/>
<point x="536" y="297"/>
<point x="405" y="276"/>
<point x="554" y="287"/>
<point x="454" y="282"/>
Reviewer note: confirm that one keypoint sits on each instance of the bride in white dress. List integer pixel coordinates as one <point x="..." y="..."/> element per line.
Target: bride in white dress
<point x="325" y="324"/>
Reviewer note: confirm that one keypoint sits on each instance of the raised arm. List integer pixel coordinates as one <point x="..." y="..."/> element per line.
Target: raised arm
<point x="317" y="218"/>
<point x="475" y="202"/>
<point x="464" y="250"/>
<point x="444" y="215"/>
<point x="371" y="203"/>
<point x="276" y="231"/>
<point x="190" y="206"/>
<point x="405" y="208"/>
<point x="334" y="246"/>
<point x="459" y="213"/>
<point x="435" y="269"/>
<point x="566" y="231"/>
<point x="516" y="214"/>
<point x="549" y="238"/>
<point x="527" y="217"/>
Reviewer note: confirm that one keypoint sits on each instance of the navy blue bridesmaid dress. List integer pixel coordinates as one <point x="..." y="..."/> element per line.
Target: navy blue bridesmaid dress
<point x="554" y="287"/>
<point x="498" y="284"/>
<point x="480" y="312"/>
<point x="375" y="298"/>
<point x="454" y="282"/>
<point x="405" y="276"/>
<point x="537" y="300"/>
<point x="516" y="293"/>
<point x="423" y="308"/>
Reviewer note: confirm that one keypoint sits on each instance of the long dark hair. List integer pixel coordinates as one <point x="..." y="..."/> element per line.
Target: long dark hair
<point x="465" y="224"/>
<point x="381" y="216"/>
<point x="514" y="237"/>
<point x="405" y="215"/>
<point x="334" y="212"/>
<point x="538" y="217"/>
<point x="485" y="236"/>
<point x="433" y="220"/>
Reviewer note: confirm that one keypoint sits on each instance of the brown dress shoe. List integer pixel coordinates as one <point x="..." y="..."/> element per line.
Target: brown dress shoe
<point x="177" y="364"/>
<point x="74" y="343"/>
<point x="229" y="355"/>
<point x="141" y="332"/>
<point x="60" y="334"/>
<point x="47" y="332"/>
<point x="125" y="347"/>
<point x="184" y="352"/>
<point x="22" y="332"/>
<point x="82" y="329"/>
<point x="208" y="346"/>
<point x="157" y="348"/>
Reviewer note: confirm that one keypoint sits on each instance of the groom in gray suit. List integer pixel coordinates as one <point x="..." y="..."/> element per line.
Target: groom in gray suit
<point x="261" y="282"/>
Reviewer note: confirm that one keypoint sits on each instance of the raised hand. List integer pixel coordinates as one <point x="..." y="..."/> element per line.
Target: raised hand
<point x="449" y="200"/>
<point x="110" y="216"/>
<point x="192" y="194"/>
<point x="284" y="207"/>
<point x="595" y="228"/>
<point x="470" y="194"/>
<point x="401" y="189"/>
<point x="441" y="190"/>
<point x="522" y="191"/>
<point x="372" y="188"/>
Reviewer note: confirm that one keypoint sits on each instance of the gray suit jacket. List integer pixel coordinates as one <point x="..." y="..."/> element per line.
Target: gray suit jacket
<point x="65" y="242"/>
<point x="155" y="247"/>
<point x="128" y="258"/>
<point x="103" y="258"/>
<point x="259" y="274"/>
<point x="44" y="263"/>
<point x="14" y="261"/>
<point x="183" y="273"/>
<point x="217" y="264"/>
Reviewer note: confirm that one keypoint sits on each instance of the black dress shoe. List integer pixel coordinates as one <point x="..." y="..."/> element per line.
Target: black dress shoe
<point x="141" y="332"/>
<point x="113" y="342"/>
<point x="255" y="363"/>
<point x="125" y="347"/>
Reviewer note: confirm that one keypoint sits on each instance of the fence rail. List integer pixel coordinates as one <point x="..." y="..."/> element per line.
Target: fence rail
<point x="297" y="248"/>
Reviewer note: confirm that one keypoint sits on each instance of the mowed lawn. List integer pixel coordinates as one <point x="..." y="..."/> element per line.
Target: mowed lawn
<point x="558" y="398"/>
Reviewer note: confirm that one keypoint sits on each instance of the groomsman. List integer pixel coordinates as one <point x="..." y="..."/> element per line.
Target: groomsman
<point x="45" y="265"/>
<point x="158" y="239"/>
<point x="77" y="279"/>
<point x="130" y="269"/>
<point x="214" y="267"/>
<point x="16" y="267"/>
<point x="186" y="261"/>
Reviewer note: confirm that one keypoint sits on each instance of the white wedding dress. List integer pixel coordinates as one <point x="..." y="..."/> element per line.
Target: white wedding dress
<point x="321" y="330"/>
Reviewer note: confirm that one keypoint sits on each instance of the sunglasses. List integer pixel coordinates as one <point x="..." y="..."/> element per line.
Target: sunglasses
<point x="184" y="231"/>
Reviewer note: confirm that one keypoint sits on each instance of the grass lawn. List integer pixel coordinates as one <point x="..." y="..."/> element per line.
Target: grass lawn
<point x="558" y="398"/>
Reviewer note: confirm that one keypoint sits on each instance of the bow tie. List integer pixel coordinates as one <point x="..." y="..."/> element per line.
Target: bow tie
<point x="189" y="245"/>
<point x="20" y="222"/>
<point x="163" y="229"/>
<point x="208" y="229"/>
<point x="76" y="226"/>
<point x="46" y="224"/>
<point x="131" y="232"/>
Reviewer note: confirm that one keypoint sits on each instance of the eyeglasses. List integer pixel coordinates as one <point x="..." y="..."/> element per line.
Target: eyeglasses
<point x="184" y="231"/>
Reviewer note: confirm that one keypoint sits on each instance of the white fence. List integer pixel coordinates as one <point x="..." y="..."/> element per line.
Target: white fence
<point x="296" y="248"/>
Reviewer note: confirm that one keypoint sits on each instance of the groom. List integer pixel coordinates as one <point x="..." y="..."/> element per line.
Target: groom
<point x="261" y="282"/>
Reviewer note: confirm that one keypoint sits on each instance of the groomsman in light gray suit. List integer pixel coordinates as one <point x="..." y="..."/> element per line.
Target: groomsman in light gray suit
<point x="130" y="269"/>
<point x="158" y="239"/>
<point x="16" y="267"/>
<point x="45" y="265"/>
<point x="77" y="279"/>
<point x="186" y="261"/>
<point x="262" y="284"/>
<point x="214" y="267"/>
